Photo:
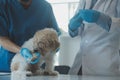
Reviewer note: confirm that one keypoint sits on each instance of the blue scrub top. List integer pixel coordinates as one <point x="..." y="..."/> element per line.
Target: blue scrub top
<point x="20" y="24"/>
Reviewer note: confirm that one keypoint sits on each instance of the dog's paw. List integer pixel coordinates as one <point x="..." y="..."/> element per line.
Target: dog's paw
<point x="51" y="73"/>
<point x="38" y="72"/>
<point x="28" y="73"/>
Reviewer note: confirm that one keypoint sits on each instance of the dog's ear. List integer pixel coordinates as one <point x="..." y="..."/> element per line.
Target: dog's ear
<point x="42" y="47"/>
<point x="54" y="43"/>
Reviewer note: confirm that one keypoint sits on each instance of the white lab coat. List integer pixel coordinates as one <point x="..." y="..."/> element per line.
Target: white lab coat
<point x="99" y="51"/>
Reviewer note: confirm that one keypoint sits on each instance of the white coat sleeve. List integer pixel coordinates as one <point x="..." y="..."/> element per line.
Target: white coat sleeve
<point x="116" y="22"/>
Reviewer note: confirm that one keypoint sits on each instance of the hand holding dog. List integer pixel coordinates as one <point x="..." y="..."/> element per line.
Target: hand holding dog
<point x="28" y="55"/>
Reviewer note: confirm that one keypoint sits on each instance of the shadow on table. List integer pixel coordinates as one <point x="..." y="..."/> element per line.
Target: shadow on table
<point x="62" y="69"/>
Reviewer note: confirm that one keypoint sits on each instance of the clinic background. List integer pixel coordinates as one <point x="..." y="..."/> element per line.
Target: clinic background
<point x="64" y="10"/>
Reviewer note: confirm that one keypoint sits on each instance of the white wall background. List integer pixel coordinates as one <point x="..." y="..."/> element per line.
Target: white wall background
<point x="68" y="50"/>
<point x="64" y="10"/>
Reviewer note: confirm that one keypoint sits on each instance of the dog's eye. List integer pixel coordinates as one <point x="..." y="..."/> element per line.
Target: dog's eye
<point x="35" y="50"/>
<point x="57" y="49"/>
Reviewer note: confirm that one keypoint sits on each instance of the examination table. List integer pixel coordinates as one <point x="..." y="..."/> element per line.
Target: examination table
<point x="65" y="77"/>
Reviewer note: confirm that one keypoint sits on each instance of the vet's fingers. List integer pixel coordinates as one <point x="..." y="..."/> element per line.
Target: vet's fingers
<point x="35" y="58"/>
<point x="35" y="61"/>
<point x="37" y="54"/>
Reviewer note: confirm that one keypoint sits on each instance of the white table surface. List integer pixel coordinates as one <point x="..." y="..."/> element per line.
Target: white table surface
<point x="66" y="77"/>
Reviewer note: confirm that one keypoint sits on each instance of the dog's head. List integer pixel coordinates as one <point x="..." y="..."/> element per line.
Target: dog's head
<point x="45" y="41"/>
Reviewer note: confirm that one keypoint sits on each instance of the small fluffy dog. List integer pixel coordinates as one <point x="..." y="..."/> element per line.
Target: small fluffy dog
<point x="45" y="42"/>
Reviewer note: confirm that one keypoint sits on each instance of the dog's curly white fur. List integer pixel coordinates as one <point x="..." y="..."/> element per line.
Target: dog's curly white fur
<point x="44" y="41"/>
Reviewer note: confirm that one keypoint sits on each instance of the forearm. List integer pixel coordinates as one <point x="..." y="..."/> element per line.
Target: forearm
<point x="9" y="45"/>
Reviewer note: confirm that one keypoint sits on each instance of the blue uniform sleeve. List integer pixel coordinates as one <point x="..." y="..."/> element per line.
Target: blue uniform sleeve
<point x="52" y="21"/>
<point x="3" y="22"/>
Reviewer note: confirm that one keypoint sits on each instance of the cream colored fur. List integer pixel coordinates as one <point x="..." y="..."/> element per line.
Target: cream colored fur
<point x="46" y="42"/>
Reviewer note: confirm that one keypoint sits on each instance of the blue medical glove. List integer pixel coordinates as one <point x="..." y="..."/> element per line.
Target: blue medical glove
<point x="93" y="16"/>
<point x="75" y="22"/>
<point x="90" y="16"/>
<point x="28" y="55"/>
<point x="37" y="59"/>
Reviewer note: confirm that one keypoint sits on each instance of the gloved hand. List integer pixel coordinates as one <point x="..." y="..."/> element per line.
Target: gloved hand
<point x="37" y="59"/>
<point x="89" y="15"/>
<point x="75" y="22"/>
<point x="28" y="55"/>
<point x="93" y="16"/>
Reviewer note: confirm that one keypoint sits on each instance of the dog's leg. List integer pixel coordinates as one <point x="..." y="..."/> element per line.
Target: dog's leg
<point x="18" y="70"/>
<point x="40" y="71"/>
<point x="18" y="75"/>
<point x="49" y="69"/>
<point x="35" y="69"/>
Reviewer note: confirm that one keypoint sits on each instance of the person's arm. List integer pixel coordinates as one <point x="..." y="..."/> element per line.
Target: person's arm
<point x="93" y="16"/>
<point x="4" y="30"/>
<point x="9" y="45"/>
<point x="75" y="25"/>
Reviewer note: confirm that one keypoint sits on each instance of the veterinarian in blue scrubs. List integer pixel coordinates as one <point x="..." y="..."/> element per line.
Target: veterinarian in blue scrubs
<point x="19" y="20"/>
<point x="97" y="22"/>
